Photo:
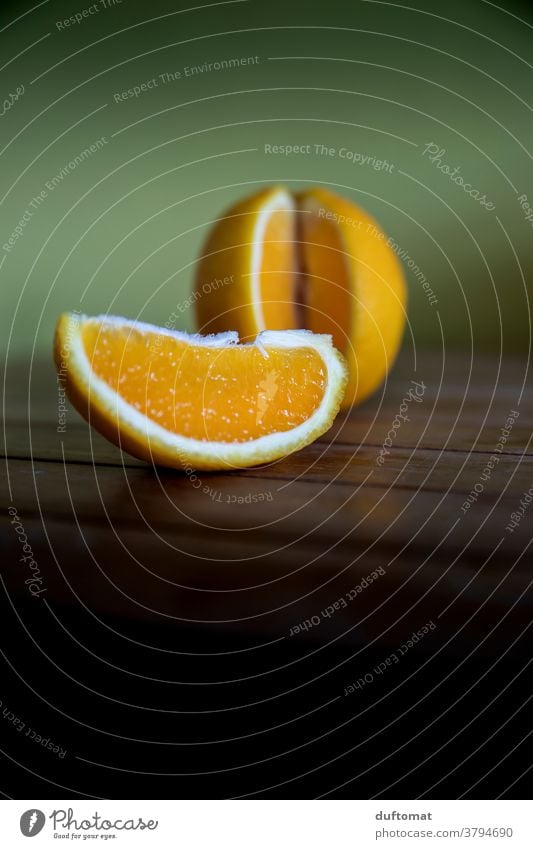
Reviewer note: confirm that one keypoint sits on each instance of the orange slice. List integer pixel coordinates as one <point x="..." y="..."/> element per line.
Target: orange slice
<point x="317" y="261"/>
<point x="204" y="402"/>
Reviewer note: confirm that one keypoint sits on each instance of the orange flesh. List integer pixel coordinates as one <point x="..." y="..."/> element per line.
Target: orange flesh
<point x="277" y="273"/>
<point x="329" y="303"/>
<point x="232" y="394"/>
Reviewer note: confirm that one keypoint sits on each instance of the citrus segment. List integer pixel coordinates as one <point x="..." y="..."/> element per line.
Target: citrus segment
<point x="207" y="393"/>
<point x="325" y="285"/>
<point x="180" y="399"/>
<point x="274" y="273"/>
<point x="369" y="298"/>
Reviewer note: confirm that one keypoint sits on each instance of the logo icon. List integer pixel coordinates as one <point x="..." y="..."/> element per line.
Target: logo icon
<point x="32" y="822"/>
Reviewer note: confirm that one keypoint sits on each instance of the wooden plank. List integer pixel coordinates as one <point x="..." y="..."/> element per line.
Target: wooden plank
<point x="127" y="572"/>
<point x="239" y="516"/>
<point x="81" y="444"/>
<point x="452" y="413"/>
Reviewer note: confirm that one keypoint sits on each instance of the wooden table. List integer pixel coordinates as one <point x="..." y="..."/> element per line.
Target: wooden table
<point x="256" y="583"/>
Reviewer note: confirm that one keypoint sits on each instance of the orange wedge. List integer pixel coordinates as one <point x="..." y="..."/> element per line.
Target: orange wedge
<point x="203" y="402"/>
<point x="315" y="260"/>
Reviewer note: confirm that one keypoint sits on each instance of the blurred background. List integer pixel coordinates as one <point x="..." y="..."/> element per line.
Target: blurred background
<point x="112" y="191"/>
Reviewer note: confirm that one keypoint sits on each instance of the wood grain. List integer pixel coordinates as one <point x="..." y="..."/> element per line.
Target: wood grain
<point x="262" y="549"/>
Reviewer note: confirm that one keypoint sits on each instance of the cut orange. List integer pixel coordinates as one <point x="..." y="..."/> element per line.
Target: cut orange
<point x="185" y="400"/>
<point x="315" y="261"/>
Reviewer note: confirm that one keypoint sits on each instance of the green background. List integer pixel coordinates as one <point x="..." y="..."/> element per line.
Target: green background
<point x="122" y="231"/>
